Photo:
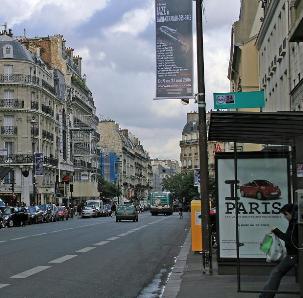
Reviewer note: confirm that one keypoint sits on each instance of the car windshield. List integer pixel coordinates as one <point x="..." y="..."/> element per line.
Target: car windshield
<point x="7" y="211"/>
<point x="263" y="182"/>
<point x="42" y="207"/>
<point x="61" y="208"/>
<point x="32" y="209"/>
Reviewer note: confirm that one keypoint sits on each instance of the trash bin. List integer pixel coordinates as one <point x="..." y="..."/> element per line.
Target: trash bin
<point x="196" y="232"/>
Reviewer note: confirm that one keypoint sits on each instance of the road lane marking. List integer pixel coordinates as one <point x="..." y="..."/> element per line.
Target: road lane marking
<point x="62" y="259"/>
<point x="19" y="238"/>
<point x="123" y="234"/>
<point x="4" y="285"/>
<point x="40" y="234"/>
<point x="112" y="238"/>
<point x="101" y="243"/>
<point x="86" y="249"/>
<point x="30" y="272"/>
<point x="2" y="241"/>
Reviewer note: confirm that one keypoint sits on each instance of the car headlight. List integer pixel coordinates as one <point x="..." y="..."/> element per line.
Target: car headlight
<point x="6" y="217"/>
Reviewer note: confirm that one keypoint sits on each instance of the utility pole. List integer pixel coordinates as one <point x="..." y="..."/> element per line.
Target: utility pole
<point x="202" y="138"/>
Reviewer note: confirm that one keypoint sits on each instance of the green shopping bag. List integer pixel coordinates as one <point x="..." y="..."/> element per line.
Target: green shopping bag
<point x="266" y="244"/>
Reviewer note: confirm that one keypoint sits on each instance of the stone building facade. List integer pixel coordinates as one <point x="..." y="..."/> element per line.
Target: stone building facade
<point x="134" y="167"/>
<point x="79" y="156"/>
<point x="29" y="114"/>
<point x="163" y="168"/>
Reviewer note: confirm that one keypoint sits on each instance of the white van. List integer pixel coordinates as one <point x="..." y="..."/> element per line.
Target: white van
<point x="98" y="205"/>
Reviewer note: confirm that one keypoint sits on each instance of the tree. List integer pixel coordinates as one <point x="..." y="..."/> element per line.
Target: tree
<point x="181" y="186"/>
<point x="107" y="189"/>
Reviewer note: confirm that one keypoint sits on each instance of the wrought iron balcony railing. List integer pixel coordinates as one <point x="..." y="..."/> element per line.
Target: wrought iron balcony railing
<point x="8" y="130"/>
<point x="19" y="78"/>
<point x="26" y="159"/>
<point x="47" y="110"/>
<point x="12" y="103"/>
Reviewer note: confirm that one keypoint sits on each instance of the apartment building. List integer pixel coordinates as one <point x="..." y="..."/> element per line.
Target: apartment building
<point x="30" y="106"/>
<point x="79" y="159"/>
<point x="134" y="167"/>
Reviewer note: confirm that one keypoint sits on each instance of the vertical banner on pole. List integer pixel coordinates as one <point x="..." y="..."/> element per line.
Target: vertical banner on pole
<point x="38" y="164"/>
<point x="174" y="49"/>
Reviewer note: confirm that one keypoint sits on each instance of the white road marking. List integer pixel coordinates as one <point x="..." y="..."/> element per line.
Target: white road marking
<point x="40" y="234"/>
<point x="101" y="243"/>
<point x="137" y="229"/>
<point x="123" y="234"/>
<point x="62" y="259"/>
<point x="2" y="241"/>
<point x="19" y="238"/>
<point x="3" y="285"/>
<point x="86" y="249"/>
<point x="30" y="272"/>
<point x="112" y="238"/>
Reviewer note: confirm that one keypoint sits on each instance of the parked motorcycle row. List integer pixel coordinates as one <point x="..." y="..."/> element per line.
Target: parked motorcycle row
<point x="21" y="216"/>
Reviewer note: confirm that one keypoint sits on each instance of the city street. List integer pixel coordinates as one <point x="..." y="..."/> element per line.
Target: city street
<point x="90" y="257"/>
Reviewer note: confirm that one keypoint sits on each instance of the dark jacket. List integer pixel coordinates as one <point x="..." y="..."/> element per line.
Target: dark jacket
<point x="290" y="237"/>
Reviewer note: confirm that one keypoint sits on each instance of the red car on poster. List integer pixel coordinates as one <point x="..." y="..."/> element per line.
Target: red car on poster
<point x="260" y="189"/>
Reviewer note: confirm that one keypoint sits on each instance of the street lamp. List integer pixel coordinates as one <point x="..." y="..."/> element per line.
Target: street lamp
<point x="33" y="126"/>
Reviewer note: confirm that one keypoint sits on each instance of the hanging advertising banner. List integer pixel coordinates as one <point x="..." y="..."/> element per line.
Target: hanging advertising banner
<point x="174" y="49"/>
<point x="262" y="190"/>
<point x="38" y="164"/>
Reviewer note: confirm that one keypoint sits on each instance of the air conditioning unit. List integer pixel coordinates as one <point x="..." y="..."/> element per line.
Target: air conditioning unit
<point x="282" y="48"/>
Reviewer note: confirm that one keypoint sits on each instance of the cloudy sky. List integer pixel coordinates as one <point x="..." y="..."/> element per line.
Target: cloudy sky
<point x="116" y="39"/>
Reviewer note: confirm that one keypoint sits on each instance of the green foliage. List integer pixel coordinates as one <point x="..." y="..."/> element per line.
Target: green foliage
<point x="181" y="186"/>
<point x="107" y="189"/>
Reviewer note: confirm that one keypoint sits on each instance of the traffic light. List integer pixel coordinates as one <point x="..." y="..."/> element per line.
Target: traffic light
<point x="71" y="187"/>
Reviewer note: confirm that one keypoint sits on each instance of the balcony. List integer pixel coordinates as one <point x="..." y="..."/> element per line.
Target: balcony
<point x="8" y="130"/>
<point x="47" y="110"/>
<point x="189" y="142"/>
<point x="19" y="78"/>
<point x="34" y="105"/>
<point x="26" y="159"/>
<point x="48" y="87"/>
<point x="47" y="135"/>
<point x="12" y="103"/>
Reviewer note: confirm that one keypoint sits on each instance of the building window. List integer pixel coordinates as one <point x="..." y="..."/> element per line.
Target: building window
<point x="7" y="51"/>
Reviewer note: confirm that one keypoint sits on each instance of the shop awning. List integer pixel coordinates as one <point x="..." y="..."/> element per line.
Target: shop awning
<point x="278" y="128"/>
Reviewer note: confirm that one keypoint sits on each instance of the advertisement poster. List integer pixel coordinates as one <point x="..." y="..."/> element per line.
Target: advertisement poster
<point x="174" y="49"/>
<point x="263" y="190"/>
<point x="38" y="164"/>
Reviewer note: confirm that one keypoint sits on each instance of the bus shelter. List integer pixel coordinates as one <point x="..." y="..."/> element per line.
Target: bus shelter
<point x="268" y="128"/>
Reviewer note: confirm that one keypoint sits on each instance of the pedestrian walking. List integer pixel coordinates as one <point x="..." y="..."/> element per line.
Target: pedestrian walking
<point x="290" y="237"/>
<point x="180" y="209"/>
<point x="113" y="209"/>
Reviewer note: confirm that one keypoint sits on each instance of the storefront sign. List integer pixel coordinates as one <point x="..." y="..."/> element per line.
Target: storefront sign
<point x="174" y="49"/>
<point x="237" y="100"/>
<point x="263" y="190"/>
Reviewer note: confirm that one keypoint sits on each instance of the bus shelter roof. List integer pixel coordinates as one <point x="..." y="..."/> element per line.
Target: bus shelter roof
<point x="279" y="128"/>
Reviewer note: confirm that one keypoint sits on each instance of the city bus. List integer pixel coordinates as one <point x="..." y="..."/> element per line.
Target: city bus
<point x="161" y="203"/>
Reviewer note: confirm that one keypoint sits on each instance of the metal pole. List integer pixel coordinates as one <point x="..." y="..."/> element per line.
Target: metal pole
<point x="202" y="131"/>
<point x="33" y="174"/>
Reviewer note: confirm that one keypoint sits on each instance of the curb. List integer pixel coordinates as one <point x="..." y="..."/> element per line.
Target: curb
<point x="173" y="285"/>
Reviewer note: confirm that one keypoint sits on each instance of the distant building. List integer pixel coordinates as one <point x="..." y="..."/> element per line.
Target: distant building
<point x="190" y="146"/>
<point x="134" y="171"/>
<point x="163" y="169"/>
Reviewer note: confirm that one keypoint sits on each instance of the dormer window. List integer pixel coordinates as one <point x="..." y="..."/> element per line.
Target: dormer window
<point x="7" y="51"/>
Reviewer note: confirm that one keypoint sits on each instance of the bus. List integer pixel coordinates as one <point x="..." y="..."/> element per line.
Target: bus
<point x="161" y="203"/>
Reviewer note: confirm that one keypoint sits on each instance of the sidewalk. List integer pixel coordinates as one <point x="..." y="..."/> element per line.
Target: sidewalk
<point x="188" y="281"/>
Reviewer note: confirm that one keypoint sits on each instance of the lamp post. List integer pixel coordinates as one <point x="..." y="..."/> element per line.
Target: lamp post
<point x="33" y="126"/>
<point x="202" y="136"/>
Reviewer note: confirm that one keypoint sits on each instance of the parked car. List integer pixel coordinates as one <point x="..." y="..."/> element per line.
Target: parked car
<point x="2" y="205"/>
<point x="89" y="211"/>
<point x="62" y="213"/>
<point x="260" y="189"/>
<point x="126" y="212"/>
<point x="15" y="216"/>
<point x="35" y="214"/>
<point x="1" y="220"/>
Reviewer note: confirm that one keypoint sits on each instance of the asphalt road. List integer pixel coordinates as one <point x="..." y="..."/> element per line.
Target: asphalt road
<point x="90" y="257"/>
